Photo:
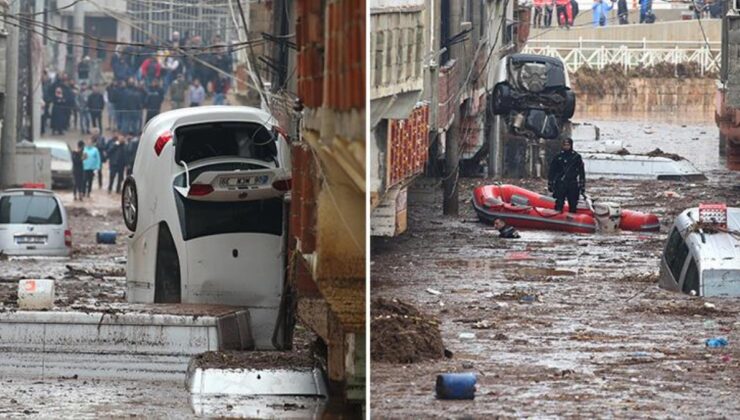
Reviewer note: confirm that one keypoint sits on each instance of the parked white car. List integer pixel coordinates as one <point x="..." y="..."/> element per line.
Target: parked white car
<point x="61" y="162"/>
<point x="206" y="205"/>
<point x="33" y="222"/>
<point x="699" y="262"/>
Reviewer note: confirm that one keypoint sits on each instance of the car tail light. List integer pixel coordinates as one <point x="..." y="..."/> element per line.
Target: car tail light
<point x="280" y="131"/>
<point x="162" y="140"/>
<point x="198" y="190"/>
<point x="32" y="185"/>
<point x="282" y="185"/>
<point x="68" y="238"/>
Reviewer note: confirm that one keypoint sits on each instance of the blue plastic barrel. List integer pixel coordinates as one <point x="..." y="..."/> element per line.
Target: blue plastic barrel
<point x="456" y="386"/>
<point x="106" y="237"/>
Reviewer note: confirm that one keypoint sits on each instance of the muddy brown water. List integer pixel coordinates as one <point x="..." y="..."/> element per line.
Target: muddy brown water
<point x="600" y="339"/>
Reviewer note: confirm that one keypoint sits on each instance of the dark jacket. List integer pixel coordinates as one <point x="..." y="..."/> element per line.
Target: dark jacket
<point x="77" y="168"/>
<point x="154" y="98"/>
<point x="131" y="149"/>
<point x="95" y="101"/>
<point x="566" y="170"/>
<point x="117" y="154"/>
<point x="508" y="232"/>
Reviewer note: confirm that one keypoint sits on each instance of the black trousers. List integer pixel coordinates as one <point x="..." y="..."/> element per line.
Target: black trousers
<point x="569" y="192"/>
<point x="88" y="181"/>
<point x="79" y="183"/>
<point x="115" y="172"/>
<point x="97" y="120"/>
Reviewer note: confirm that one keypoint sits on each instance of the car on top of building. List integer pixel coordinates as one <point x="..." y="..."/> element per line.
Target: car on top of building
<point x="533" y="94"/>
<point x="207" y="205"/>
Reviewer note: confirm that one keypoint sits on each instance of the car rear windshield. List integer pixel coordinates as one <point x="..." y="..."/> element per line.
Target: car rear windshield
<point x="204" y="218"/>
<point x="30" y="209"/>
<point x="241" y="139"/>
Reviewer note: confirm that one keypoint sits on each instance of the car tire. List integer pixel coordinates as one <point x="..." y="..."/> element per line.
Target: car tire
<point x="167" y="268"/>
<point x="501" y="99"/>
<point x="130" y="204"/>
<point x="570" y="104"/>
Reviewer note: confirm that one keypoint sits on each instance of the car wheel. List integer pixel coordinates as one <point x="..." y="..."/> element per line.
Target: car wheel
<point x="130" y="204"/>
<point x="501" y="99"/>
<point x="167" y="268"/>
<point x="570" y="104"/>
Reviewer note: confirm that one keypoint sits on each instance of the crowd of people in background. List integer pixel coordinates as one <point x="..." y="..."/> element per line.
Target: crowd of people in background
<point x="118" y="150"/>
<point x="185" y="71"/>
<point x="565" y="12"/>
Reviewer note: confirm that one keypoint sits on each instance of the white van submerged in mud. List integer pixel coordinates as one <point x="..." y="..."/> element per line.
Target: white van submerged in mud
<point x="702" y="257"/>
<point x="206" y="205"/>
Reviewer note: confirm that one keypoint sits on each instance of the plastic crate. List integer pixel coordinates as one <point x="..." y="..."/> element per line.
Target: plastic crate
<point x="715" y="214"/>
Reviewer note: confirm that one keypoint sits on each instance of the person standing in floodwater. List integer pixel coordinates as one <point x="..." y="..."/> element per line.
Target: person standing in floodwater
<point x="78" y="173"/>
<point x="504" y="230"/>
<point x="567" y="177"/>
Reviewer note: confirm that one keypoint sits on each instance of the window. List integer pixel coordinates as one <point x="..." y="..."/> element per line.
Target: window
<point x="30" y="209"/>
<point x="205" y="218"/>
<point x="675" y="253"/>
<point x="245" y="140"/>
<point x="691" y="282"/>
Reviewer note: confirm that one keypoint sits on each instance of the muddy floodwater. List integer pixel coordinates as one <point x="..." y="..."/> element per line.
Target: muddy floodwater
<point x="95" y="275"/>
<point x="560" y="324"/>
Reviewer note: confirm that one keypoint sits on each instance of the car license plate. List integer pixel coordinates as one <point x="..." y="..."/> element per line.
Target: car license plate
<point x="30" y="239"/>
<point x="242" y="181"/>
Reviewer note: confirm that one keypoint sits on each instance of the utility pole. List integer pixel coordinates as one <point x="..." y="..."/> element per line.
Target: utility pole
<point x="78" y="22"/>
<point x="36" y="75"/>
<point x="450" y="203"/>
<point x="10" y="119"/>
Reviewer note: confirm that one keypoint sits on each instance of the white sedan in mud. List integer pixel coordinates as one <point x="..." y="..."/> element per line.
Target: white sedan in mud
<point x="206" y="205"/>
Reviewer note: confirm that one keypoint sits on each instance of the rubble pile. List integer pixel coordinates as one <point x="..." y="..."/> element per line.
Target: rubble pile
<point x="402" y="334"/>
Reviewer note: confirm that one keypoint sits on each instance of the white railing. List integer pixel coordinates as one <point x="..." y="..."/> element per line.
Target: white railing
<point x="598" y="54"/>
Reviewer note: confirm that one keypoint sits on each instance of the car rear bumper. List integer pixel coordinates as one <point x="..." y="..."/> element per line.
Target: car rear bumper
<point x="40" y="252"/>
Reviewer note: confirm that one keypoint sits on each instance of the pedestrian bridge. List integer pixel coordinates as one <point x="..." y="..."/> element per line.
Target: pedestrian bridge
<point x="629" y="46"/>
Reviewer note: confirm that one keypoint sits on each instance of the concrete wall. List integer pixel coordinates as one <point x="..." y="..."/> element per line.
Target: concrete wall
<point x="666" y="99"/>
<point x="670" y="32"/>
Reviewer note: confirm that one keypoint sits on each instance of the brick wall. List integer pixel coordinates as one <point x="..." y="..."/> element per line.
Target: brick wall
<point x="408" y="145"/>
<point x="331" y="58"/>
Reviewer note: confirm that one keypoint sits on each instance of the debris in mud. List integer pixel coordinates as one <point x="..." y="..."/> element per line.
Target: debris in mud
<point x="518" y="295"/>
<point x="640" y="278"/>
<point x="622" y="152"/>
<point x="95" y="272"/>
<point x="690" y="308"/>
<point x="659" y="153"/>
<point x="78" y="212"/>
<point x="402" y="334"/>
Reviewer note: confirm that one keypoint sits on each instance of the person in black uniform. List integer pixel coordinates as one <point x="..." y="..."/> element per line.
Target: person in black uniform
<point x="567" y="178"/>
<point x="504" y="230"/>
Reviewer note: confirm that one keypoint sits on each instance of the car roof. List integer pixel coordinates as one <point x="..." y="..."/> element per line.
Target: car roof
<point x="537" y="58"/>
<point x="51" y="143"/>
<point x="39" y="191"/>
<point x="716" y="250"/>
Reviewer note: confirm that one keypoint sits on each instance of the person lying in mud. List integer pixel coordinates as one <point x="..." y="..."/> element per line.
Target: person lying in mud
<point x="505" y="231"/>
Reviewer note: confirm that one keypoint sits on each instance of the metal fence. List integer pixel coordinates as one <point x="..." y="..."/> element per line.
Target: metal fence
<point x="158" y="19"/>
<point x="598" y="54"/>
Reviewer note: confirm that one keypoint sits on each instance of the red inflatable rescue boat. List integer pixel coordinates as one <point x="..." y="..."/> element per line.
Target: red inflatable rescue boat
<point x="523" y="208"/>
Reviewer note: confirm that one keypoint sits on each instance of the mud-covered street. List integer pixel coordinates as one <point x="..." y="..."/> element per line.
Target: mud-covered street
<point x="560" y="324"/>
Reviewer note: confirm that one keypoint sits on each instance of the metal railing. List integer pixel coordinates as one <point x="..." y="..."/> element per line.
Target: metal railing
<point x="597" y="54"/>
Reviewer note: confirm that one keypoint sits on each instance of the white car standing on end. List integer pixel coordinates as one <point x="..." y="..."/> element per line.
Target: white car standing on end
<point x="33" y="222"/>
<point x="207" y="205"/>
